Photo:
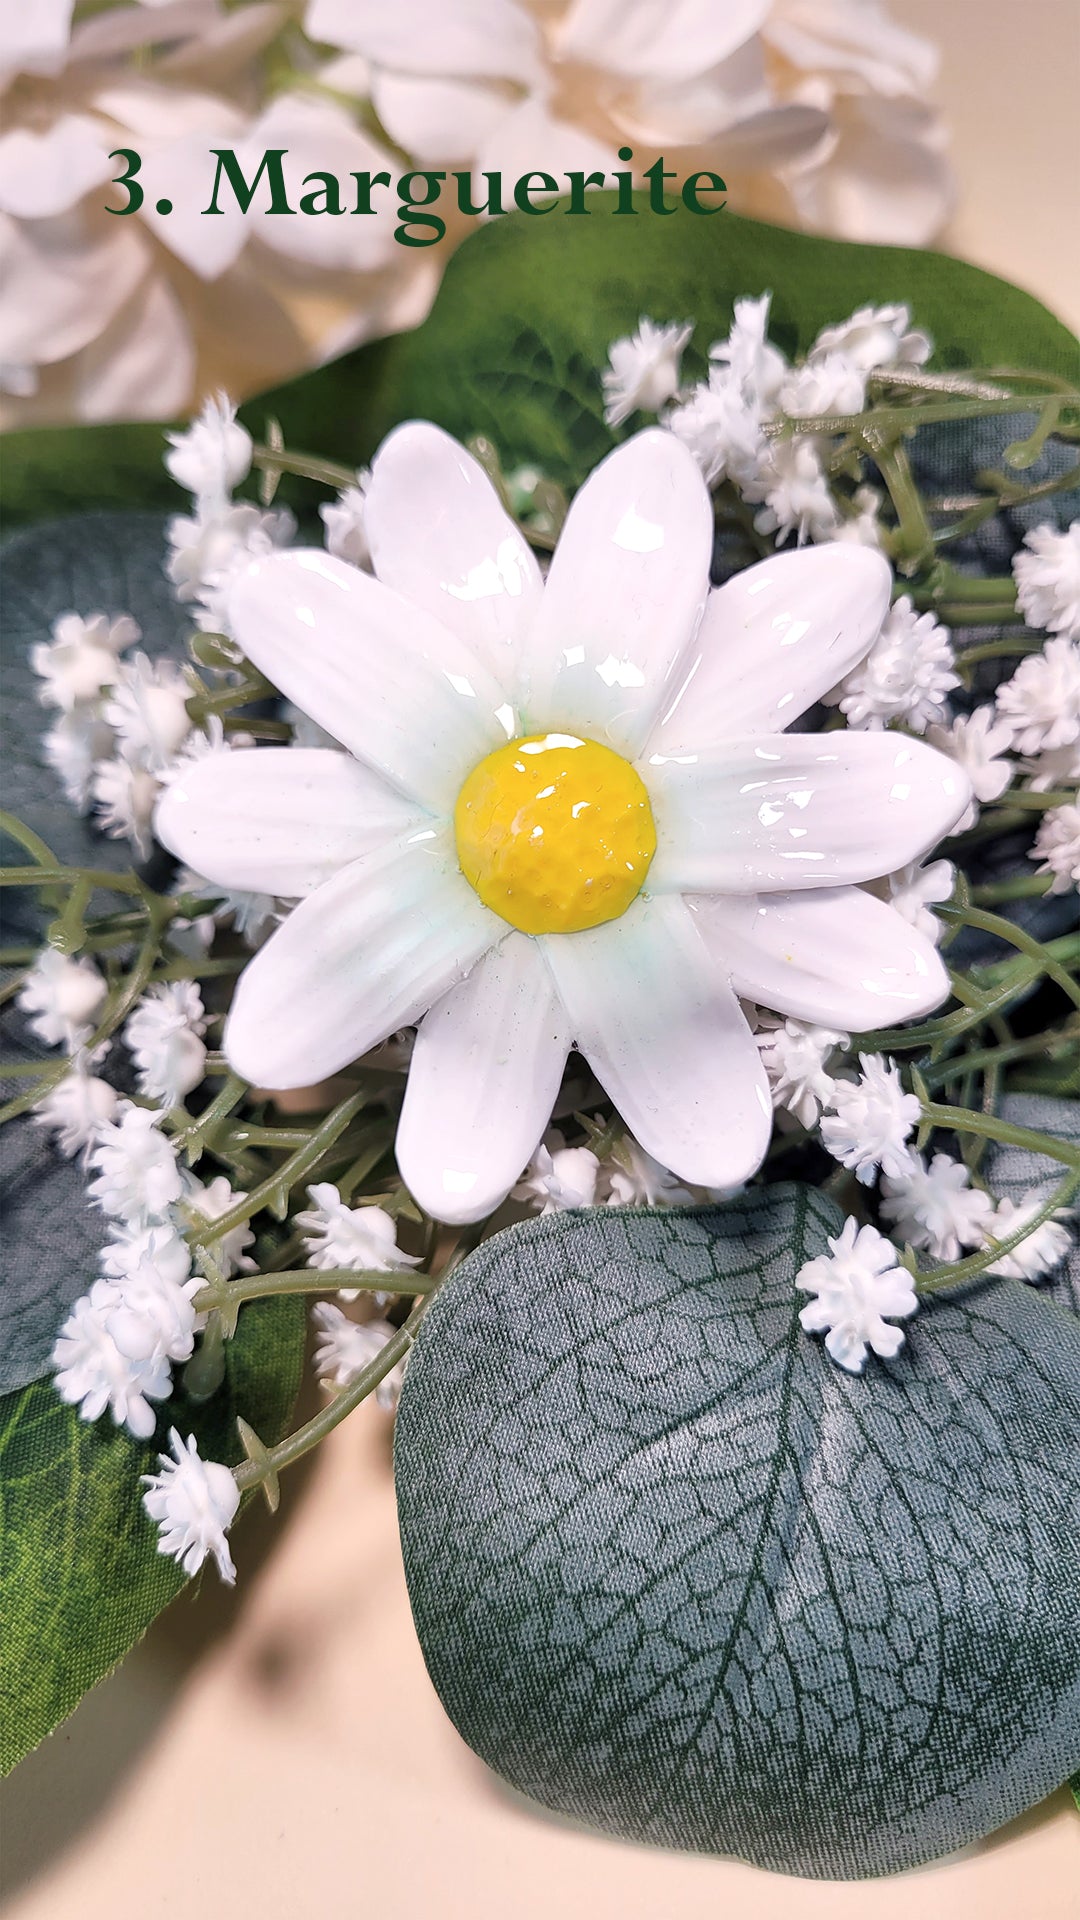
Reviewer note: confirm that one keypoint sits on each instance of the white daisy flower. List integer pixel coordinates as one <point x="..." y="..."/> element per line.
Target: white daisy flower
<point x="92" y="1373"/>
<point x="859" y="1288"/>
<point x="642" y="373"/>
<point x="917" y="888"/>
<point x="632" y="1178"/>
<point x="345" y="1347"/>
<point x="871" y="1121"/>
<point x="211" y="1200"/>
<point x="336" y="1235"/>
<point x="213" y="455"/>
<point x="1041" y="702"/>
<point x="978" y="742"/>
<point x="1057" y="847"/>
<point x="72" y="747"/>
<point x="935" y="1207"/>
<point x="343" y="519"/>
<point x="1047" y="579"/>
<point x="210" y="548"/>
<point x="558" y="1178"/>
<point x="75" y="1109"/>
<point x="796" y="493"/>
<point x="874" y="338"/>
<point x="62" y="998"/>
<point x="523" y="756"/>
<point x="123" y="797"/>
<point x="906" y="675"/>
<point x="164" y="1035"/>
<point x="81" y="658"/>
<point x="147" y="710"/>
<point x="137" y="1177"/>
<point x="1036" y="1256"/>
<point x="194" y="1503"/>
<point x="794" y="1053"/>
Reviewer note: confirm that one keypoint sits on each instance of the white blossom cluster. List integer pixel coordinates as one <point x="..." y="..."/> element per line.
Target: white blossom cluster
<point x="219" y="535"/>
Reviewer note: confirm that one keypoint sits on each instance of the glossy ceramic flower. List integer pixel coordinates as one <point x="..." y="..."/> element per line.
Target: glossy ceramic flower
<point x="567" y="813"/>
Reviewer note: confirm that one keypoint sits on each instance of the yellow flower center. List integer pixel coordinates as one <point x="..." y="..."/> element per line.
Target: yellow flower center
<point x="555" y="833"/>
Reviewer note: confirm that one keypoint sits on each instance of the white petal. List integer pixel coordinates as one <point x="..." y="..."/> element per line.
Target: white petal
<point x="624" y="594"/>
<point x="321" y="137"/>
<point x="838" y="957"/>
<point x="64" y="280"/>
<point x="785" y="811"/>
<point x="278" y="820"/>
<point x="476" y="38"/>
<point x="665" y="1035"/>
<point x="46" y="173"/>
<point x="366" y="953"/>
<point x="530" y="138"/>
<point x="439" y="536"/>
<point x="484" y="1076"/>
<point x="380" y="675"/>
<point x="143" y="365"/>
<point x="672" y="42"/>
<point x="437" y="120"/>
<point x="176" y="131"/>
<point x="773" y="639"/>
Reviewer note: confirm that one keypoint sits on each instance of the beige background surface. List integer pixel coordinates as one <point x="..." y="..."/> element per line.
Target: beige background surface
<point x="280" y="1753"/>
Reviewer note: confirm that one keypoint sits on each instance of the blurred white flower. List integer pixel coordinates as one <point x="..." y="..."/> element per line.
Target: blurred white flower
<point x="872" y="339"/>
<point x="211" y="1200"/>
<point x="906" y="675"/>
<point x="207" y="549"/>
<point x="81" y="658"/>
<point x="336" y="1235"/>
<point x="164" y="1035"/>
<point x="978" y="742"/>
<point x="558" y="1177"/>
<point x="935" y="1207"/>
<point x="162" y="1244"/>
<point x="343" y="520"/>
<point x="796" y="493"/>
<point x="632" y="1178"/>
<point x="72" y="747"/>
<point x="213" y="455"/>
<point x="1057" y="767"/>
<point x="794" y="1053"/>
<point x="62" y="998"/>
<point x="194" y="1503"/>
<point x="721" y="420"/>
<point x="1041" y="703"/>
<point x="863" y="527"/>
<point x="1047" y="579"/>
<point x="859" y="1287"/>
<point x="914" y="889"/>
<point x="123" y="796"/>
<point x="92" y="1373"/>
<point x="147" y="710"/>
<point x="871" y="1121"/>
<point x="1057" y="847"/>
<point x="642" y="373"/>
<point x="136" y="1179"/>
<point x="345" y="1347"/>
<point x="75" y="1109"/>
<point x="829" y="384"/>
<point x="1039" y="1253"/>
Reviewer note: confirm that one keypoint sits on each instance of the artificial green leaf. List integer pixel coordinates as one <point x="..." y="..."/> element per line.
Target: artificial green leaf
<point x="521" y="328"/>
<point x="81" y="1577"/>
<point x="677" y="1575"/>
<point x="1014" y="1173"/>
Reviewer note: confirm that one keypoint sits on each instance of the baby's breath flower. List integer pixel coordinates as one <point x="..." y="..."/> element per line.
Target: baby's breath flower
<point x="136" y="1179"/>
<point x="336" y="1235"/>
<point x="207" y="549"/>
<point x="93" y="1373"/>
<point x="916" y="888"/>
<point x="978" y="742"/>
<point x="1058" y="767"/>
<point x="873" y="338"/>
<point x="345" y="1347"/>
<point x="164" y="1035"/>
<point x="558" y="1177"/>
<point x="81" y="658"/>
<point x="831" y="383"/>
<point x="75" y="1109"/>
<point x="252" y="914"/>
<point x="343" y="520"/>
<point x="147" y="710"/>
<point x="1057" y="847"/>
<point x="151" y="1317"/>
<point x="632" y="1178"/>
<point x="211" y="1201"/>
<point x="906" y="675"/>
<point x="748" y="357"/>
<point x="213" y="455"/>
<point x="794" y="1053"/>
<point x="124" y="797"/>
<point x="935" y="1207"/>
<point x="1042" y="700"/>
<point x="1040" y="1253"/>
<point x="722" y="432"/>
<point x="1048" y="580"/>
<point x="796" y="493"/>
<point x="859" y="1287"/>
<point x="863" y="527"/>
<point x="871" y="1120"/>
<point x="162" y="1245"/>
<point x="642" y="374"/>
<point x="62" y="998"/>
<point x="72" y="747"/>
<point x="194" y="1502"/>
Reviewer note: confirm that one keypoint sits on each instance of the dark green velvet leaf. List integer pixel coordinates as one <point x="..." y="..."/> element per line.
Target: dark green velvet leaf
<point x="80" y="1576"/>
<point x="522" y="325"/>
<point x="677" y="1575"/>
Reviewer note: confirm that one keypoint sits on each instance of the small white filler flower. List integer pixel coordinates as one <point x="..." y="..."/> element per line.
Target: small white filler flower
<point x="1057" y="847"/>
<point x="1042" y="700"/>
<point x="906" y="676"/>
<point x="794" y="1053"/>
<point x="213" y="455"/>
<point x="919" y="887"/>
<point x="1042" y="1250"/>
<point x="194" y="1503"/>
<point x="137" y="1178"/>
<point x="81" y="658"/>
<point x="1047" y="579"/>
<point x="337" y="1235"/>
<point x="570" y="812"/>
<point x="345" y="1347"/>
<point x="74" y="1110"/>
<point x="343" y="520"/>
<point x="164" y="1035"/>
<point x="935" y="1207"/>
<point x="62" y="998"/>
<point x="871" y="1120"/>
<point x="642" y="374"/>
<point x="92" y="1371"/>
<point x="558" y="1178"/>
<point x="978" y="742"/>
<point x="859" y="1287"/>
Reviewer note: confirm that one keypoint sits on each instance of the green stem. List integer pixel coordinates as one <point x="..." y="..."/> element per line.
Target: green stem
<point x="69" y="877"/>
<point x="1023" y="886"/>
<point x="1016" y="937"/>
<point x="307" y="466"/>
<point x="28" y="840"/>
<point x="990" y="1127"/>
<point x="980" y="1058"/>
<point x="275" y="1189"/>
<point x="228" y="1297"/>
